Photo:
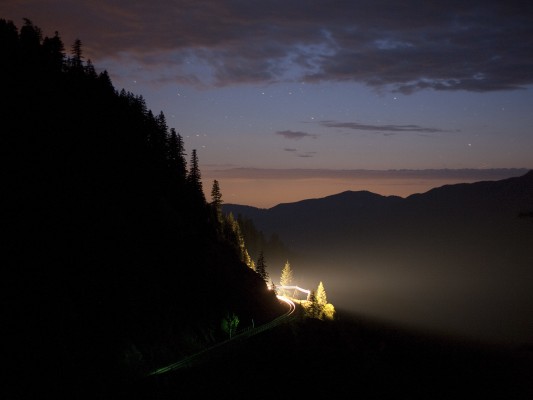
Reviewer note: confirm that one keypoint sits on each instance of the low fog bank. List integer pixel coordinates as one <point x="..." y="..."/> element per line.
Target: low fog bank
<point x="485" y="300"/>
<point x="457" y="259"/>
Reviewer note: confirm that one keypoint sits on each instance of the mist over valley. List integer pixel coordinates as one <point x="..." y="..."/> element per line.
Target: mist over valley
<point x="455" y="260"/>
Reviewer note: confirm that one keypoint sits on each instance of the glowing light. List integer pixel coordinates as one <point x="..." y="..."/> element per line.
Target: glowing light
<point x="296" y="288"/>
<point x="307" y="292"/>
<point x="289" y="302"/>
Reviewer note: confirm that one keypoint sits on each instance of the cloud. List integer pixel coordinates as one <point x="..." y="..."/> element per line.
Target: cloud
<point x="295" y="135"/>
<point x="388" y="129"/>
<point x="477" y="45"/>
<point x="307" y="154"/>
<point x="366" y="174"/>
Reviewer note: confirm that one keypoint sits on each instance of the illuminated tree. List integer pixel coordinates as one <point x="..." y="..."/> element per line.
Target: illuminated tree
<point x="313" y="309"/>
<point x="232" y="233"/>
<point x="318" y="306"/>
<point x="328" y="312"/>
<point x="229" y="324"/>
<point x="245" y="257"/>
<point x="286" y="275"/>
<point x="321" y="297"/>
<point x="260" y="267"/>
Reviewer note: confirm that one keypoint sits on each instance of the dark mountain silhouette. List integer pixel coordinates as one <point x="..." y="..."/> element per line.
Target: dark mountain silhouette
<point x="114" y="262"/>
<point x="362" y="215"/>
<point x="463" y="251"/>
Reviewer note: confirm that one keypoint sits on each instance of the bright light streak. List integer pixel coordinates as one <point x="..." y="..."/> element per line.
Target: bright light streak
<point x="295" y="287"/>
<point x="289" y="302"/>
<point x="307" y="292"/>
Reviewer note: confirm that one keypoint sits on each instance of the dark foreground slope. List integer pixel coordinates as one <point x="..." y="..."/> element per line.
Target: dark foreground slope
<point x="350" y="358"/>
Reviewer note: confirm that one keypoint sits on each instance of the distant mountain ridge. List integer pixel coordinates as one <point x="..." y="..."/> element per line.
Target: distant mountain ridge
<point x="296" y="222"/>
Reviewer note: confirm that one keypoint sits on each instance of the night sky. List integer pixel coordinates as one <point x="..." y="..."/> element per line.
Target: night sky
<point x="286" y="100"/>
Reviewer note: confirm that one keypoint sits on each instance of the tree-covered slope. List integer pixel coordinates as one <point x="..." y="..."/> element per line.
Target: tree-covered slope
<point x="115" y="260"/>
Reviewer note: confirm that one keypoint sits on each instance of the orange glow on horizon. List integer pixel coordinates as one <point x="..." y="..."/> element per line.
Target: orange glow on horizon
<point x="267" y="193"/>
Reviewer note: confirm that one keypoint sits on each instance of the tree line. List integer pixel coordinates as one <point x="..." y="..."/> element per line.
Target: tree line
<point x="109" y="234"/>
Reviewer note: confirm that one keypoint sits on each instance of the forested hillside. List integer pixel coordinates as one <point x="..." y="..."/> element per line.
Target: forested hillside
<point x="116" y="262"/>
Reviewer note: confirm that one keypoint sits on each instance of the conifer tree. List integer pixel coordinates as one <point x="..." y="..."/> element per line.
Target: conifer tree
<point x="313" y="308"/>
<point x="321" y="295"/>
<point x="216" y="199"/>
<point x="105" y="82"/>
<point x="158" y="137"/>
<point x="77" y="54"/>
<point x="232" y="233"/>
<point x="194" y="178"/>
<point x="176" y="154"/>
<point x="162" y="122"/>
<point x="54" y="51"/>
<point x="286" y="275"/>
<point x="30" y="35"/>
<point x="229" y="324"/>
<point x="230" y="228"/>
<point x="140" y="104"/>
<point x="260" y="267"/>
<point x="89" y="69"/>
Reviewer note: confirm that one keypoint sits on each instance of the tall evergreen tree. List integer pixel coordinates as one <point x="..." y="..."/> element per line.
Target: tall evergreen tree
<point x="29" y="49"/>
<point x="158" y="139"/>
<point x="286" y="275"/>
<point x="243" y="250"/>
<point x="89" y="70"/>
<point x="229" y="324"/>
<point x="321" y="295"/>
<point x="30" y="35"/>
<point x="162" y="122"/>
<point x="54" y="52"/>
<point x="176" y="154"/>
<point x="216" y="199"/>
<point x="312" y="308"/>
<point x="77" y="54"/>
<point x="231" y="232"/>
<point x="261" y="267"/>
<point x="105" y="82"/>
<point x="194" y="178"/>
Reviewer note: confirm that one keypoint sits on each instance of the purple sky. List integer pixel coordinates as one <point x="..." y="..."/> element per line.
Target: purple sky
<point x="286" y="100"/>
